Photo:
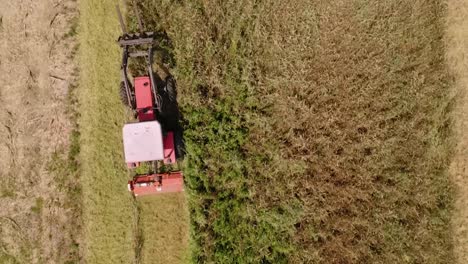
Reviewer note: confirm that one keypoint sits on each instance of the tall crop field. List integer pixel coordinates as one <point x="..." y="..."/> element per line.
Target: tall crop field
<point x="315" y="131"/>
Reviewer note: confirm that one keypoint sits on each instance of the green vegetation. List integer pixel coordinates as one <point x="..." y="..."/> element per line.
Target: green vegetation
<point x="108" y="209"/>
<point x="315" y="133"/>
<point x="37" y="208"/>
<point x="64" y="167"/>
<point x="73" y="28"/>
<point x="117" y="228"/>
<point x="7" y="259"/>
<point x="164" y="229"/>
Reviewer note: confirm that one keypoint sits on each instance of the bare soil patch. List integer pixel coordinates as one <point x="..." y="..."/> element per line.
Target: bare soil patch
<point x="36" y="76"/>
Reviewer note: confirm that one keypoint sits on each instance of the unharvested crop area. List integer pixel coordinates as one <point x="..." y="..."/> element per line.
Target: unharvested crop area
<point x="316" y="132"/>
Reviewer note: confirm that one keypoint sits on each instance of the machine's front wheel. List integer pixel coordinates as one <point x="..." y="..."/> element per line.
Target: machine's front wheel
<point x="179" y="143"/>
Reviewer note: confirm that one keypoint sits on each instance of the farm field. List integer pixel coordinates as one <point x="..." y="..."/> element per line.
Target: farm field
<point x="109" y="212"/>
<point x="164" y="225"/>
<point x="117" y="228"/>
<point x="315" y="132"/>
<point x="39" y="187"/>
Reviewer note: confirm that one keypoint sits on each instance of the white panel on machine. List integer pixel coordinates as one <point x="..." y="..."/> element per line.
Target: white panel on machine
<point x="143" y="142"/>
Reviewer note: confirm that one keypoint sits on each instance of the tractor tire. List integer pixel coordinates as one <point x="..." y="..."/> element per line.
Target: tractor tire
<point x="171" y="89"/>
<point x="179" y="143"/>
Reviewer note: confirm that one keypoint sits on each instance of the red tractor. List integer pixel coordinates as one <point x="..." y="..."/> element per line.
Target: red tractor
<point x="151" y="139"/>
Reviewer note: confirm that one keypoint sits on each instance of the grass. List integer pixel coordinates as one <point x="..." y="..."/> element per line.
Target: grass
<point x="164" y="228"/>
<point x="64" y="167"/>
<point x="108" y="209"/>
<point x="117" y="228"/>
<point x="73" y="28"/>
<point x="37" y="208"/>
<point x="7" y="259"/>
<point x="315" y="133"/>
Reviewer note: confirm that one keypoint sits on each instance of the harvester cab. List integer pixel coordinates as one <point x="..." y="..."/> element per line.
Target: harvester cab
<point x="148" y="140"/>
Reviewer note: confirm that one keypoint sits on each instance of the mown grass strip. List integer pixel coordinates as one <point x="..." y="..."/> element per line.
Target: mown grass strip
<point x="164" y="229"/>
<point x="108" y="209"/>
<point x="163" y="219"/>
<point x="117" y="229"/>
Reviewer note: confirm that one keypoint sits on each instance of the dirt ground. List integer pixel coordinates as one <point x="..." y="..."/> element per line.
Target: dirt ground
<point x="457" y="36"/>
<point x="36" y="73"/>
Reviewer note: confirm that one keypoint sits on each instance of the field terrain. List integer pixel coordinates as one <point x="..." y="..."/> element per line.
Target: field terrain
<point x="117" y="228"/>
<point x="39" y="187"/>
<point x="315" y="132"/>
<point x="457" y="57"/>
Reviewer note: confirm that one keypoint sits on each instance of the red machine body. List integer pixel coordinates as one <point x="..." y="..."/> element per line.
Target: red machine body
<point x="144" y="99"/>
<point x="157" y="184"/>
<point x="144" y="104"/>
<point x="149" y="139"/>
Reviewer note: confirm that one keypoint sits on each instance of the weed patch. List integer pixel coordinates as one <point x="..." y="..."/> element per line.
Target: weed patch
<point x="37" y="208"/>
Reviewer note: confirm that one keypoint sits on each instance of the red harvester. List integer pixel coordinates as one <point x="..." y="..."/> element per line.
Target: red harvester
<point x="149" y="140"/>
